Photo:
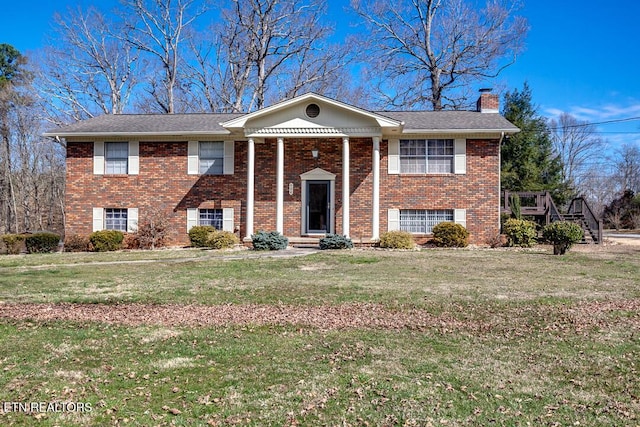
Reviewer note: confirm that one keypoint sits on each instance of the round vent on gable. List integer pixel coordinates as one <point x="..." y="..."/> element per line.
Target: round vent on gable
<point x="312" y="111"/>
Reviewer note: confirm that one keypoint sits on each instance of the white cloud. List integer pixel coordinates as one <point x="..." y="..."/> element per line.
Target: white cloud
<point x="599" y="112"/>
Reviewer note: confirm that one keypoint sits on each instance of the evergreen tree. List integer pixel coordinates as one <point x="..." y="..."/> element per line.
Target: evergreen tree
<point x="528" y="162"/>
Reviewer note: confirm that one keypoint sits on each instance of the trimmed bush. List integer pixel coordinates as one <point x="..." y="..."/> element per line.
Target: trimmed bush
<point x="106" y="240"/>
<point x="336" y="241"/>
<point x="40" y="243"/>
<point x="450" y="235"/>
<point x="520" y="232"/>
<point x="269" y="241"/>
<point x="199" y="235"/>
<point x="562" y="235"/>
<point x="397" y="240"/>
<point x="14" y="243"/>
<point x="76" y="243"/>
<point x="222" y="240"/>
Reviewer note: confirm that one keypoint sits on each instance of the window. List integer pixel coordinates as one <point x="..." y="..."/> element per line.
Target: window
<point x="422" y="221"/>
<point x="116" y="157"/>
<point x="211" y="157"/>
<point x="312" y="111"/>
<point x="115" y="219"/>
<point x="212" y="217"/>
<point x="426" y="156"/>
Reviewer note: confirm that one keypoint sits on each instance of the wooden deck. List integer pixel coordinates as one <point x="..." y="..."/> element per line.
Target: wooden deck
<point x="540" y="206"/>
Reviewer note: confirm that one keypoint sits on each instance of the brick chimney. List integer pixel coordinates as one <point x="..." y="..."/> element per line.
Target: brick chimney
<point x="488" y="102"/>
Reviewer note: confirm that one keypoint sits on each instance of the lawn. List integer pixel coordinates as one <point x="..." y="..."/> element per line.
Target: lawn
<point x="361" y="337"/>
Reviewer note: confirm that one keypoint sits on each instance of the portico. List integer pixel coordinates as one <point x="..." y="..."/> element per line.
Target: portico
<point x="329" y="123"/>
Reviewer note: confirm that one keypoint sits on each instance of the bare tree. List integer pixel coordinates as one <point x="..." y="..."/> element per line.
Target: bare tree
<point x="32" y="167"/>
<point x="428" y="52"/>
<point x="578" y="145"/>
<point x="598" y="186"/>
<point x="13" y="77"/>
<point x="628" y="168"/>
<point x="89" y="70"/>
<point x="159" y="28"/>
<point x="267" y="50"/>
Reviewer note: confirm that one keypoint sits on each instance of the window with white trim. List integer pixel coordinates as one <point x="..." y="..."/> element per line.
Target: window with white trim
<point x="422" y="221"/>
<point x="427" y="156"/>
<point x="115" y="219"/>
<point x="212" y="217"/>
<point x="211" y="157"/>
<point x="116" y="158"/>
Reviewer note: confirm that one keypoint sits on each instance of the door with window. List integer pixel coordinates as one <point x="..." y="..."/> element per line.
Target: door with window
<point x="318" y="206"/>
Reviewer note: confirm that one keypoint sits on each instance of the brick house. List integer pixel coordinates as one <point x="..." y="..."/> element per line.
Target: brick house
<point x="286" y="168"/>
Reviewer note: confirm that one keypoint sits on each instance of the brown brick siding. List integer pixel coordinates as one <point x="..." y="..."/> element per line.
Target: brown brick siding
<point x="164" y="185"/>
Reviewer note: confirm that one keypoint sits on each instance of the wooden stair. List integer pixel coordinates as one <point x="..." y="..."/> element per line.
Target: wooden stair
<point x="541" y="205"/>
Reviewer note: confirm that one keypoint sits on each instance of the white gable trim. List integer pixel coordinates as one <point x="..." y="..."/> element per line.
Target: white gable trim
<point x="241" y="121"/>
<point x="318" y="174"/>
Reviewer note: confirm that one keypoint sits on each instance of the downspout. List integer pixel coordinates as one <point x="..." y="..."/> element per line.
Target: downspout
<point x="500" y="179"/>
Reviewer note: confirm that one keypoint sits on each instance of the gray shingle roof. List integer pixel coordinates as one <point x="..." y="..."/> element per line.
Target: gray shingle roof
<point x="451" y="120"/>
<point x="183" y="124"/>
<point x="161" y="124"/>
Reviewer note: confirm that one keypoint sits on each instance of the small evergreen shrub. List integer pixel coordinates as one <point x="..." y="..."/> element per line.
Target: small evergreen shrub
<point x="450" y="235"/>
<point x="39" y="243"/>
<point x="106" y="240"/>
<point x="336" y="241"/>
<point x="520" y="232"/>
<point x="199" y="235"/>
<point x="76" y="243"/>
<point x="516" y="206"/>
<point x="269" y="241"/>
<point x="562" y="235"/>
<point x="397" y="240"/>
<point x="222" y="240"/>
<point x="14" y="243"/>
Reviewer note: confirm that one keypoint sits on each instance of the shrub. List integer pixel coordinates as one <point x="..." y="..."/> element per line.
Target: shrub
<point x="76" y="243"/>
<point x="39" y="243"/>
<point x="269" y="241"/>
<point x="516" y="206"/>
<point x="14" y="243"/>
<point x="131" y="241"/>
<point x="199" y="235"/>
<point x="336" y="241"/>
<point x="397" y="240"/>
<point x="153" y="231"/>
<point x="450" y="235"/>
<point x="497" y="241"/>
<point x="222" y="240"/>
<point x="563" y="235"/>
<point x="520" y="232"/>
<point x="106" y="240"/>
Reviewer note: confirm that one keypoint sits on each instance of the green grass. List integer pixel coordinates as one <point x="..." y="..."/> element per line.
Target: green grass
<point x="544" y="357"/>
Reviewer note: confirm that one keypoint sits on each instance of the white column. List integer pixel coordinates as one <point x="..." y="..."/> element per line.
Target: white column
<point x="375" y="204"/>
<point x="251" y="162"/>
<point x="280" y="187"/>
<point x="345" y="187"/>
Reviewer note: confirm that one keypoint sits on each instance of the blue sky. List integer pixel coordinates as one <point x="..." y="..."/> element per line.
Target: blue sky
<point x="582" y="56"/>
